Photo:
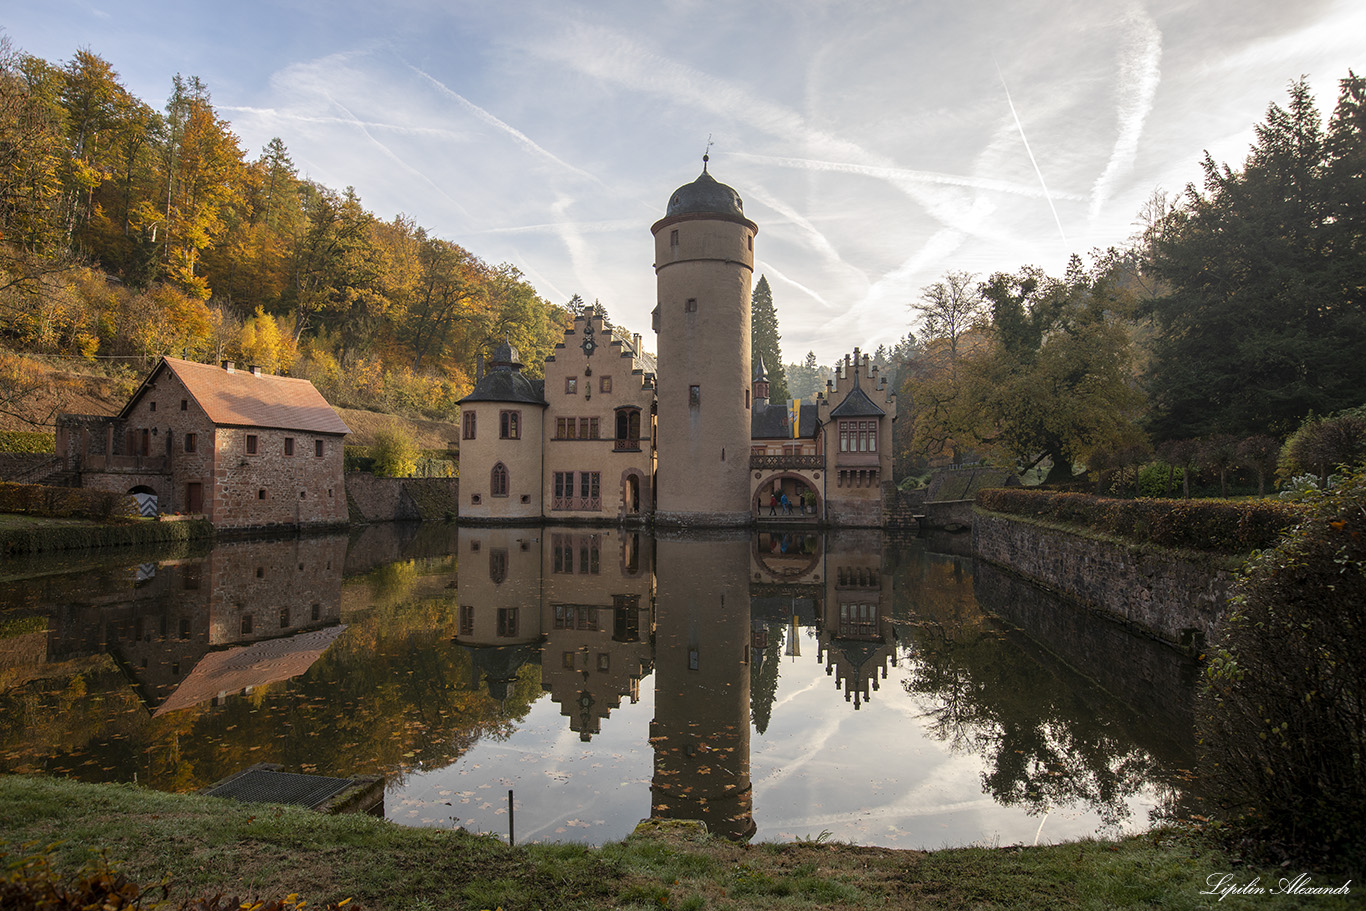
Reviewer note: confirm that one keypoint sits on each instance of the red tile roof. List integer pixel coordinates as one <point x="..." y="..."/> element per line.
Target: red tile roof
<point x="244" y="399"/>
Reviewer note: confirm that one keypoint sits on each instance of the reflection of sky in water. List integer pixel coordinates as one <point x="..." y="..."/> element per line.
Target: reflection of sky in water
<point x="564" y="789"/>
<point x="874" y="776"/>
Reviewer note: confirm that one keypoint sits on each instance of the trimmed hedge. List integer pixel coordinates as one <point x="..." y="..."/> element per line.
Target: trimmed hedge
<point x="85" y="535"/>
<point x="27" y="442"/>
<point x="1217" y="526"/>
<point x="66" y="502"/>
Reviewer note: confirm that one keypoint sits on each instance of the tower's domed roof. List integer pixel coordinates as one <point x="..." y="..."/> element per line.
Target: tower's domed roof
<point x="705" y="195"/>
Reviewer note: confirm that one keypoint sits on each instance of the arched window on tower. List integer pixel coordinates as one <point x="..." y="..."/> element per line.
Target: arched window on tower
<point x="498" y="481"/>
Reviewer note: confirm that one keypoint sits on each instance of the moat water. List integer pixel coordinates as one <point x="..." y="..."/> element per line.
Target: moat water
<point x="848" y="685"/>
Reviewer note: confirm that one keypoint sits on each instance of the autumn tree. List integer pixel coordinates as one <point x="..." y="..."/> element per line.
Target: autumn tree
<point x="30" y="168"/>
<point x="453" y="293"/>
<point x="1057" y="383"/>
<point x="949" y="308"/>
<point x="338" y="270"/>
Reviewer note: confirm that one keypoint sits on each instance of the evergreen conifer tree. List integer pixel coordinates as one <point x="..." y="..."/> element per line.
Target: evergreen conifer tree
<point x="764" y="339"/>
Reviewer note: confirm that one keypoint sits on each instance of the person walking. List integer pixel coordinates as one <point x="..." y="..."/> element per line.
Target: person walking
<point x="773" y="505"/>
<point x="787" y="505"/>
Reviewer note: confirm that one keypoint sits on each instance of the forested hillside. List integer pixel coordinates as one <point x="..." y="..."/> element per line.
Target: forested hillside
<point x="131" y="229"/>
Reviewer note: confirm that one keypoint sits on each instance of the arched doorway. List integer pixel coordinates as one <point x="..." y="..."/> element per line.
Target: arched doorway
<point x="803" y="497"/>
<point x="635" y="496"/>
<point x="147" y="501"/>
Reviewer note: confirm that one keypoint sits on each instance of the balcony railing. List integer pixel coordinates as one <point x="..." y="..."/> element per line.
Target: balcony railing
<point x="626" y="445"/>
<point x="786" y="461"/>
<point x="580" y="504"/>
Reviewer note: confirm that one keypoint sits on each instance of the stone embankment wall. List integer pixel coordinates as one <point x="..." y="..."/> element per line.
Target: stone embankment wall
<point x="373" y="499"/>
<point x="1159" y="593"/>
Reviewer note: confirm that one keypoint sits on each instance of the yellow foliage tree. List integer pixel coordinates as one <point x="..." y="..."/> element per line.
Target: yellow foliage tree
<point x="262" y="343"/>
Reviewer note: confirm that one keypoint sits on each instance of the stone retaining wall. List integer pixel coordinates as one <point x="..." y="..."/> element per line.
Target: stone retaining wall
<point x="1158" y="593"/>
<point x="375" y="499"/>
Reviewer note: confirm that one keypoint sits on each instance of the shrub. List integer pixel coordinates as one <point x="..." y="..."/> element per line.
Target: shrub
<point x="1159" y="479"/>
<point x="1219" y="526"/>
<point x="1321" y="445"/>
<point x="394" y="452"/>
<point x="1283" y="714"/>
<point x="66" y="502"/>
<point x="27" y="442"/>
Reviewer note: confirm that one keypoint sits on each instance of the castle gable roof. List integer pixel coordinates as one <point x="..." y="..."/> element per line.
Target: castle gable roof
<point x="856" y="405"/>
<point x="245" y="399"/>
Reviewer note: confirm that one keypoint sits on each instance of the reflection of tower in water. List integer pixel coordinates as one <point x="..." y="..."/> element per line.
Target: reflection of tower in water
<point x="700" y="732"/>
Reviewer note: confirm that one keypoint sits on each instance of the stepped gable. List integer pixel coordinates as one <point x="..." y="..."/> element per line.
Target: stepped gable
<point x="242" y="398"/>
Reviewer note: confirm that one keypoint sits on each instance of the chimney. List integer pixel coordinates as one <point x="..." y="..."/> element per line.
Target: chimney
<point x="228" y="366"/>
<point x="635" y="342"/>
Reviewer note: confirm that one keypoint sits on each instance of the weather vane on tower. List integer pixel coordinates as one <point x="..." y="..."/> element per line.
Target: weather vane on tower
<point x="706" y="153"/>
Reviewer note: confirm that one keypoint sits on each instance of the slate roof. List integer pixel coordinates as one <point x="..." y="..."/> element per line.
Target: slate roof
<point x="770" y="422"/>
<point x="244" y="399"/>
<point x="705" y="195"/>
<point x="856" y="405"/>
<point x="640" y="360"/>
<point x="503" y="385"/>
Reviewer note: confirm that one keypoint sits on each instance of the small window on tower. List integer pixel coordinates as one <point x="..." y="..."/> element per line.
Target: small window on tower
<point x="694" y="396"/>
<point x="673" y="238"/>
<point x="691" y="305"/>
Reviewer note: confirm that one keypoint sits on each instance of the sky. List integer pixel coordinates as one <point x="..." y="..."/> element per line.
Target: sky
<point x="877" y="145"/>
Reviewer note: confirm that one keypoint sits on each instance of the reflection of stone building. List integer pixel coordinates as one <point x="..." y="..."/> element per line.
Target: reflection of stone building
<point x="499" y="602"/>
<point x="578" y="601"/>
<point x="857" y="640"/>
<point x="166" y="624"/>
<point x="701" y="729"/>
<point x="598" y="598"/>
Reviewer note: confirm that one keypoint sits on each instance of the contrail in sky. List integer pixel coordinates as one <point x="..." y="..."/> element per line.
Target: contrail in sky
<point x="1030" y="151"/>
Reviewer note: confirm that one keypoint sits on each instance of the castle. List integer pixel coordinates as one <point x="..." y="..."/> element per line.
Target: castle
<point x="690" y="439"/>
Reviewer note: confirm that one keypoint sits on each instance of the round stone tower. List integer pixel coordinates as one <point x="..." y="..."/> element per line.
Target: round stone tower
<point x="704" y="268"/>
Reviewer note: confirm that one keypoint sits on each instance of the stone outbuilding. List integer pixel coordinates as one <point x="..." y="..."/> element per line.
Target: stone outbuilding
<point x="240" y="447"/>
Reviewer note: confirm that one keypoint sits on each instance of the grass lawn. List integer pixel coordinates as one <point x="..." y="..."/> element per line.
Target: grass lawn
<point x="206" y="846"/>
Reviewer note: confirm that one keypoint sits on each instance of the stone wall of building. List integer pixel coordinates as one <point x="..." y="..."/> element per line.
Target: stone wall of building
<point x="283" y="482"/>
<point x="1156" y="592"/>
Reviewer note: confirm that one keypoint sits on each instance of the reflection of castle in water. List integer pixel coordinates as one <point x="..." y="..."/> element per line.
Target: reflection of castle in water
<point x="193" y="631"/>
<point x="579" y="602"/>
<point x="599" y="609"/>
